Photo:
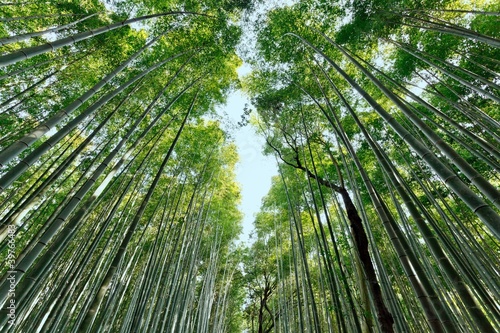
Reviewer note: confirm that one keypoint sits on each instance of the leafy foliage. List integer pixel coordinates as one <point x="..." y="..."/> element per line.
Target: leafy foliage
<point x="119" y="187"/>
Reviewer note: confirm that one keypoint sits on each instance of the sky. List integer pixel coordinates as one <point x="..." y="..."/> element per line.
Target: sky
<point x="254" y="170"/>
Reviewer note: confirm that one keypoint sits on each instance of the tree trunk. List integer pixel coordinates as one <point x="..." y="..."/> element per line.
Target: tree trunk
<point x="384" y="316"/>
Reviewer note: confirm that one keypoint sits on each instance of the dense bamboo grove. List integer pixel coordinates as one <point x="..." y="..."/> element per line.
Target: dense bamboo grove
<point x="385" y="127"/>
<point x="118" y="199"/>
<point x="118" y="188"/>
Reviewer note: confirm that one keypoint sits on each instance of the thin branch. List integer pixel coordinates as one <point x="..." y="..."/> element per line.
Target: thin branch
<point x="299" y="166"/>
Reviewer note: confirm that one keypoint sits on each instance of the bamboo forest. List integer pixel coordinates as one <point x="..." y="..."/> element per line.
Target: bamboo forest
<point x="120" y="205"/>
